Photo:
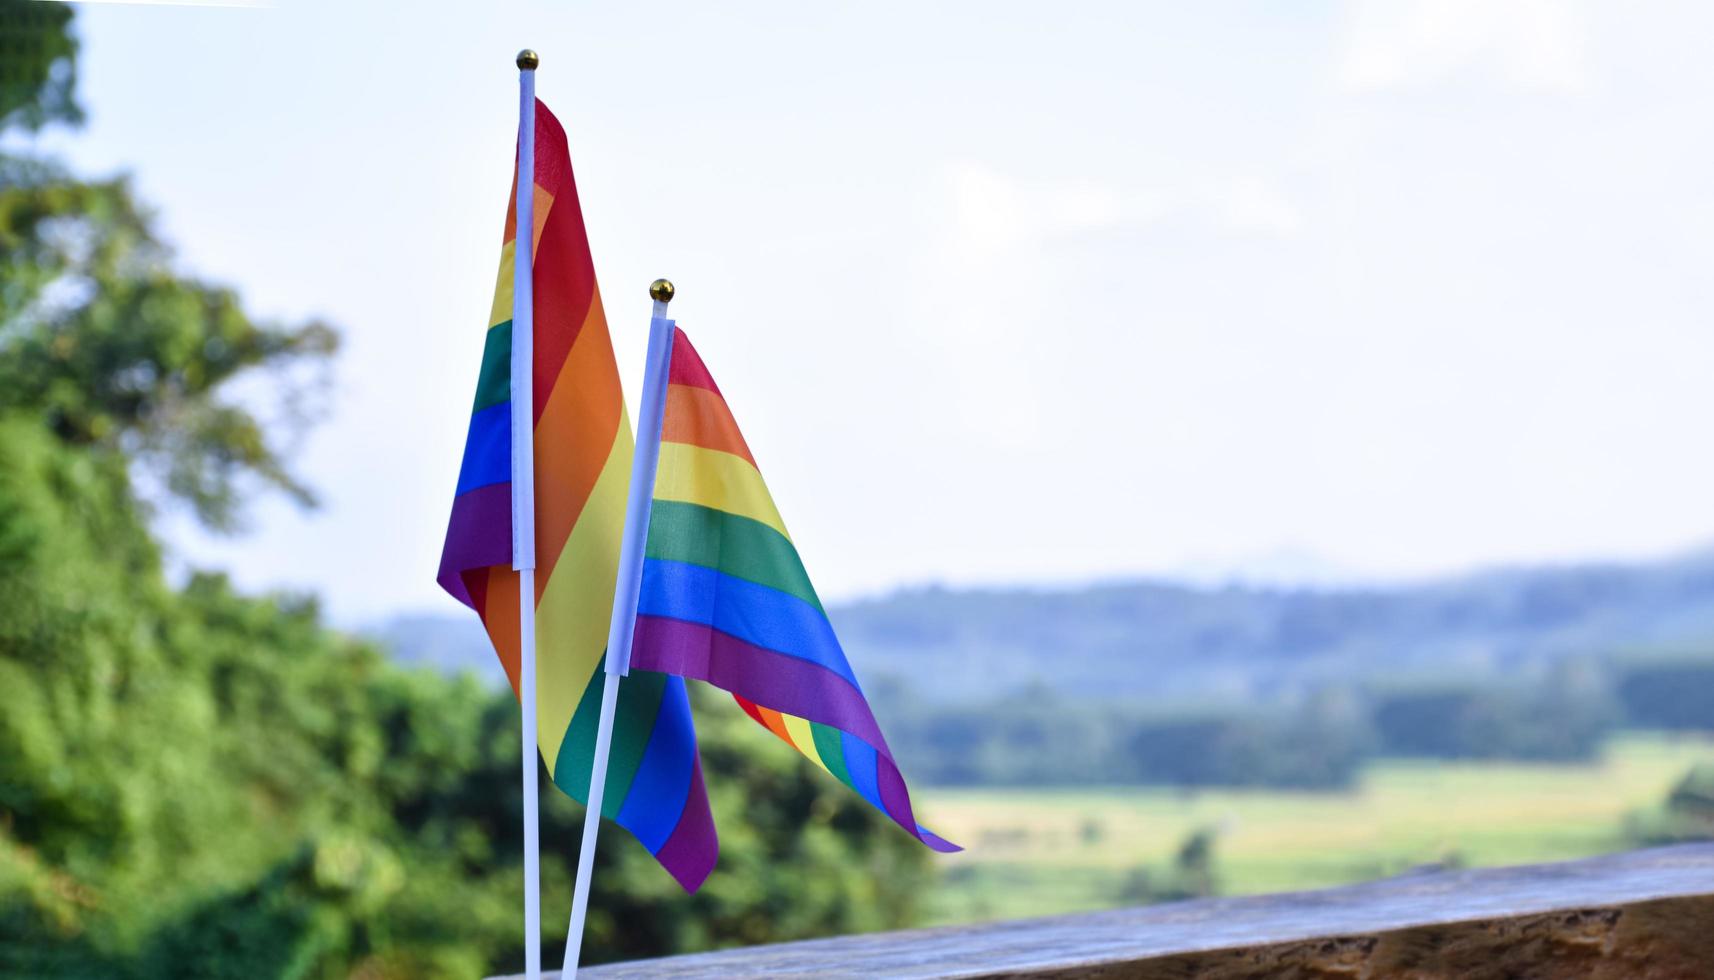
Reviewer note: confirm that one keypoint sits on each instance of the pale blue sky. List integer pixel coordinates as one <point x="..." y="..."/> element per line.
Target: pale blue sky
<point x="999" y="292"/>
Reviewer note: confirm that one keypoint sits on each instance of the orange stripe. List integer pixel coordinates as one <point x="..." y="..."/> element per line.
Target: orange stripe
<point x="541" y="202"/>
<point x="772" y="719"/>
<point x="502" y="619"/>
<point x="574" y="437"/>
<point x="511" y="232"/>
<point x="700" y="417"/>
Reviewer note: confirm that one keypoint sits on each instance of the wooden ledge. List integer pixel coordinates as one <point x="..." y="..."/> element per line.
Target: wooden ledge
<point x="1643" y="914"/>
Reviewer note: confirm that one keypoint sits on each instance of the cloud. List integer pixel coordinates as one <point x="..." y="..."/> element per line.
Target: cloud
<point x="1251" y="205"/>
<point x="994" y="212"/>
<point x="1531" y="45"/>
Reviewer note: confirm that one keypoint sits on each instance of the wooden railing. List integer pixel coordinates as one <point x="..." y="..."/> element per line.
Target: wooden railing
<point x="1645" y="914"/>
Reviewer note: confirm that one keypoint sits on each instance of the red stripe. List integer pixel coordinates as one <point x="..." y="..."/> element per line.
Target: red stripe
<point x="565" y="297"/>
<point x="687" y="367"/>
<point x="750" y="709"/>
<point x="553" y="160"/>
<point x="553" y="165"/>
<point x="476" y="583"/>
<point x="564" y="276"/>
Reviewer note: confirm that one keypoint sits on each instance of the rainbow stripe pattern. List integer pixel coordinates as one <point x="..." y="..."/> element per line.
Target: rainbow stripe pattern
<point x="725" y="599"/>
<point x="583" y="451"/>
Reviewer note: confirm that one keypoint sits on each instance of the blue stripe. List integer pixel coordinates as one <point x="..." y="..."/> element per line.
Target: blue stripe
<point x="753" y="613"/>
<point x="657" y="796"/>
<point x="860" y="762"/>
<point x="487" y="449"/>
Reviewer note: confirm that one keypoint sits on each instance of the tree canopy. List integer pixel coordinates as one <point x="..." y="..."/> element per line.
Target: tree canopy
<point x="38" y="65"/>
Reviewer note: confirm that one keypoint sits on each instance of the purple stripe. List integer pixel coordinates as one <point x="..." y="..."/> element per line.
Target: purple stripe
<point x="936" y="841"/>
<point x="895" y="799"/>
<point x="783" y="683"/>
<point x="898" y="806"/>
<point x="690" y="852"/>
<point x="773" y="680"/>
<point x="478" y="535"/>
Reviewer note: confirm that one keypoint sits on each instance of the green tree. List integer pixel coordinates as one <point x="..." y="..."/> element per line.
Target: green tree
<point x="38" y="65"/>
<point x="113" y="350"/>
<point x="110" y="345"/>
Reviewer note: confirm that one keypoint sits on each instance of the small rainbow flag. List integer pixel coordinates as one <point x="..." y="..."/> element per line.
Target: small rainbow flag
<point x="725" y="599"/>
<point x="583" y="451"/>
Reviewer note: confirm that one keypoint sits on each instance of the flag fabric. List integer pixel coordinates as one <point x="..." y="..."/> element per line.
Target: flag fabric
<point x="725" y="599"/>
<point x="583" y="450"/>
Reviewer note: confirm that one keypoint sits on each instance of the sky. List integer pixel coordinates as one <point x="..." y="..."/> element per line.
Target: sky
<point x="999" y="292"/>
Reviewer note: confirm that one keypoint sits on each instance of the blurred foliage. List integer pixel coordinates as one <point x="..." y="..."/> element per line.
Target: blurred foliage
<point x="1560" y="717"/>
<point x="197" y="783"/>
<point x="1669" y="693"/>
<point x="1181" y="643"/>
<point x="38" y="65"/>
<point x="112" y="349"/>
<point x="1041" y="737"/>
<point x="1190" y="876"/>
<point x="1163" y="683"/>
<point x="1687" y="814"/>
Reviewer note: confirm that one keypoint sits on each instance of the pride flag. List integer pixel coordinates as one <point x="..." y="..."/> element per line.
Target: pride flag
<point x="583" y="451"/>
<point x="725" y="599"/>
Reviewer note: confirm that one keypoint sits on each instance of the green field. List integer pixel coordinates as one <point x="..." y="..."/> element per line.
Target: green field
<point x="1041" y="852"/>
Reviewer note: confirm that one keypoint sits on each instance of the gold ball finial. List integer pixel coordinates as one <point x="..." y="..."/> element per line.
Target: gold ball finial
<point x="528" y="60"/>
<point x="661" y="291"/>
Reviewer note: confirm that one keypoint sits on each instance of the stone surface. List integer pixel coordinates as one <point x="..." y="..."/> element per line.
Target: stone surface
<point x="1647" y="915"/>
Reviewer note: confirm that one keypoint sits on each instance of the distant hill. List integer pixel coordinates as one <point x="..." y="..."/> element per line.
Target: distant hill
<point x="1171" y="642"/>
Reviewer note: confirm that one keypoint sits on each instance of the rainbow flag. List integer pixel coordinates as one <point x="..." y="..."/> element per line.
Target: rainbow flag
<point x="725" y="599"/>
<point x="583" y="453"/>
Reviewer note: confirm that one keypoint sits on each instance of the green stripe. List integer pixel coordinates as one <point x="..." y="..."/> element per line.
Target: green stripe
<point x="633" y="722"/>
<point x="494" y="384"/>
<point x="733" y="545"/>
<point x="640" y="695"/>
<point x="831" y="750"/>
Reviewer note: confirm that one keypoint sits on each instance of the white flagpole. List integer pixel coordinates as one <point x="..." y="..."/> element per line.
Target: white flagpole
<point x="630" y="581"/>
<point x="524" y="497"/>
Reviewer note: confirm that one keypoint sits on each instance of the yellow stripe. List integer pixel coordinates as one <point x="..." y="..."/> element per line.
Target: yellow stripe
<point x="577" y="601"/>
<point x="714" y="479"/>
<point x="804" y="739"/>
<point x="502" y="310"/>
